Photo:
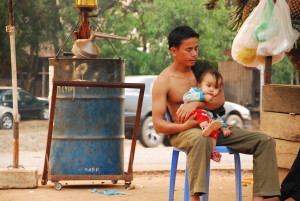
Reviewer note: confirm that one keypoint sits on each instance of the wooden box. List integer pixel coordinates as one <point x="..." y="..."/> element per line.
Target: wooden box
<point x="281" y="120"/>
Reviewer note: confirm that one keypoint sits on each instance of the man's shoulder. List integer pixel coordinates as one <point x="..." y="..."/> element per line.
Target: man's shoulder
<point x="164" y="75"/>
<point x="162" y="80"/>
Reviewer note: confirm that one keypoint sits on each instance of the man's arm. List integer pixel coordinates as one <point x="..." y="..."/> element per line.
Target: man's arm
<point x="217" y="102"/>
<point x="159" y="106"/>
<point x="185" y="110"/>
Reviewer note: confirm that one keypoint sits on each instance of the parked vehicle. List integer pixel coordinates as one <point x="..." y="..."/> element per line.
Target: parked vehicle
<point x="28" y="105"/>
<point x="235" y="114"/>
<point x="6" y="117"/>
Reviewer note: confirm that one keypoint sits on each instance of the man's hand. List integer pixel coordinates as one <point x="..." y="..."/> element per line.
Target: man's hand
<point x="191" y="122"/>
<point x="208" y="97"/>
<point x="184" y="112"/>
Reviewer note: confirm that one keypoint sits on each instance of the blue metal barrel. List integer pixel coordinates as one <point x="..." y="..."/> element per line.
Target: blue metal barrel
<point x="87" y="137"/>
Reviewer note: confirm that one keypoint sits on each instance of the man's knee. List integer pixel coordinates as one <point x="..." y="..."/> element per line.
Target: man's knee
<point x="271" y="141"/>
<point x="268" y="140"/>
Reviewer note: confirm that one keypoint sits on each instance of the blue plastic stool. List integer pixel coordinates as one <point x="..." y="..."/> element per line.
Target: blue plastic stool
<point x="221" y="149"/>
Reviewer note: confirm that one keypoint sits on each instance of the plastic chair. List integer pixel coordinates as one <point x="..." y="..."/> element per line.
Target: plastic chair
<point x="221" y="149"/>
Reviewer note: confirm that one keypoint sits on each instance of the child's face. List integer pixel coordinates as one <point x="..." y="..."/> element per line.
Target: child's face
<point x="209" y="85"/>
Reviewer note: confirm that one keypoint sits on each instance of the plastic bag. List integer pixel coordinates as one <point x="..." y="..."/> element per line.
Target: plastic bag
<point x="256" y="39"/>
<point x="279" y="34"/>
<point x="108" y="192"/>
<point x="244" y="45"/>
<point x="266" y="28"/>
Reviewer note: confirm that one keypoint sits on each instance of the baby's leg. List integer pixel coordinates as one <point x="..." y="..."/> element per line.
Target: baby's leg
<point x="203" y="124"/>
<point x="215" y="155"/>
<point x="210" y="127"/>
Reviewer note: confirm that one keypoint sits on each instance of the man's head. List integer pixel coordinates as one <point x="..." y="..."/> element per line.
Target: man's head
<point x="180" y="33"/>
<point x="183" y="43"/>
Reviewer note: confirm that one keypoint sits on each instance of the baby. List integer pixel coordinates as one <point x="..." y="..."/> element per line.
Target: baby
<point x="209" y="86"/>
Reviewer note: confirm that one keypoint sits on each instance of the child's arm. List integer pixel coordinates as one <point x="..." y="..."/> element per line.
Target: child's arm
<point x="226" y="131"/>
<point x="187" y="108"/>
<point x="195" y="94"/>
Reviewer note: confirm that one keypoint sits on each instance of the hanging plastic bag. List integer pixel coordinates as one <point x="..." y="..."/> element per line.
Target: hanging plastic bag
<point x="275" y="33"/>
<point x="267" y="27"/>
<point x="256" y="39"/>
<point x="244" y="45"/>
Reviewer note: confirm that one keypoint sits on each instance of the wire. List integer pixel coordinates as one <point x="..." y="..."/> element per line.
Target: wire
<point x="68" y="38"/>
<point x="107" y="39"/>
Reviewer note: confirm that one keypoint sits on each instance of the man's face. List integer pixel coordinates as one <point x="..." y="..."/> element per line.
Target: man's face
<point x="187" y="53"/>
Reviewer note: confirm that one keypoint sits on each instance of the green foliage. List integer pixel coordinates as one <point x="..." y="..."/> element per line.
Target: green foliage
<point x="215" y="37"/>
<point x="281" y="72"/>
<point x="4" y="40"/>
<point x="146" y="22"/>
<point x="35" y="22"/>
<point x="149" y="23"/>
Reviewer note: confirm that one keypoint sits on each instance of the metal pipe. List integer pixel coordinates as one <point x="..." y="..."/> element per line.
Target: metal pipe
<point x="107" y="39"/>
<point x="11" y="30"/>
<point x="104" y="35"/>
<point x="136" y="129"/>
<point x="86" y="48"/>
<point x="50" y="130"/>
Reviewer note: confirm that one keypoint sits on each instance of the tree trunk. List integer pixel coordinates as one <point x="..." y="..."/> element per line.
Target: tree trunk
<point x="294" y="57"/>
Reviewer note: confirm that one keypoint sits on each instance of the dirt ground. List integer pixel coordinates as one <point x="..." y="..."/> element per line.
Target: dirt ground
<point x="148" y="185"/>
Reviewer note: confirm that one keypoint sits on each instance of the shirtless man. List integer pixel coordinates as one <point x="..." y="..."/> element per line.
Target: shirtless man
<point x="168" y="91"/>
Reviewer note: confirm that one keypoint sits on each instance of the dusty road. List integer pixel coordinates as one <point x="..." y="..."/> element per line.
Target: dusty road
<point x="151" y="177"/>
<point x="33" y="139"/>
<point x="149" y="186"/>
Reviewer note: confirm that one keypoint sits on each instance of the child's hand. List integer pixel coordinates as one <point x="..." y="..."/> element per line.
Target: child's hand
<point x="226" y="131"/>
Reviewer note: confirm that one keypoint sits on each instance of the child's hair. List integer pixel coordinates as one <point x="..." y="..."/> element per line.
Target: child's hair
<point x="215" y="74"/>
<point x="180" y="33"/>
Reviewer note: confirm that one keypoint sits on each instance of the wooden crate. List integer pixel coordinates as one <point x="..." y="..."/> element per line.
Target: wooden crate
<point x="281" y="125"/>
<point x="281" y="98"/>
<point x="281" y="119"/>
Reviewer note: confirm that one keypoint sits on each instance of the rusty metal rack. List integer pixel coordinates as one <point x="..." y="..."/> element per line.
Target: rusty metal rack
<point x="126" y="176"/>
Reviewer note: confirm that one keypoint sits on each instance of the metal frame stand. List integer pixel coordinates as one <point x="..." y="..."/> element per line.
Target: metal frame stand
<point x="127" y="176"/>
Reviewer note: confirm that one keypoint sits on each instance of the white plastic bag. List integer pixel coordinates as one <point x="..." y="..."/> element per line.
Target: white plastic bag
<point x="249" y="51"/>
<point x="282" y="36"/>
<point x="244" y="45"/>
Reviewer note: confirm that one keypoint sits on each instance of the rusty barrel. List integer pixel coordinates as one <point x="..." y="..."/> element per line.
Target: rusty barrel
<point x="87" y="137"/>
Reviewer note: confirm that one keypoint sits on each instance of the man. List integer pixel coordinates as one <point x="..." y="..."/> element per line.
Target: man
<point x="168" y="91"/>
